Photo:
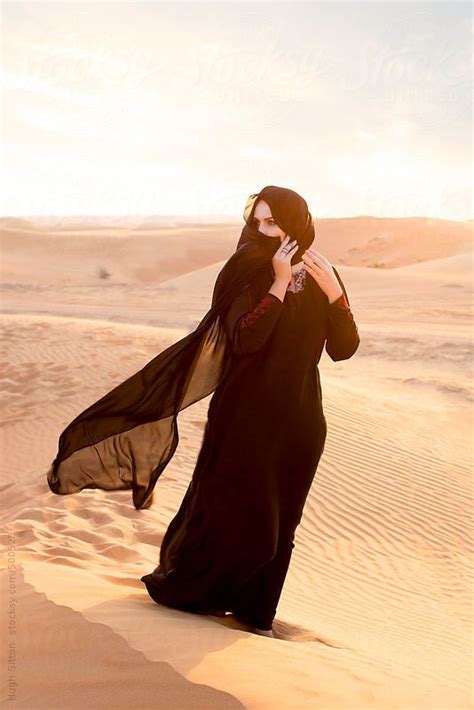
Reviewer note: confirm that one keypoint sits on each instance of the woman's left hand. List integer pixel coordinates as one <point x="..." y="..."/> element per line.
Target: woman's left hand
<point x="322" y="272"/>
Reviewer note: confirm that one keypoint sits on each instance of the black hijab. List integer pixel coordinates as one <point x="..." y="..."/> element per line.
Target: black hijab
<point x="126" y="439"/>
<point x="290" y="212"/>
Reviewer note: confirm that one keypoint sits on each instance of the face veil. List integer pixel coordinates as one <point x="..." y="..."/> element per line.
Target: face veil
<point x="290" y="212"/>
<point x="126" y="439"/>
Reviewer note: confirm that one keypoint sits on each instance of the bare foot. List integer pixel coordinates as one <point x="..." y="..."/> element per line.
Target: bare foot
<point x="245" y="626"/>
<point x="264" y="632"/>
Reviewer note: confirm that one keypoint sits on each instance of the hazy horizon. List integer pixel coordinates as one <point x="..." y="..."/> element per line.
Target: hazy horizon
<point x="205" y="219"/>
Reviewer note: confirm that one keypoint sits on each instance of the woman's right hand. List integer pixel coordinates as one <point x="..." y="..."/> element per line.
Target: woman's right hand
<point x="281" y="261"/>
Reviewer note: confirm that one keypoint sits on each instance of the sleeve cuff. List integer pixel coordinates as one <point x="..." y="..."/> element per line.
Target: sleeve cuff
<point x="341" y="301"/>
<point x="275" y="298"/>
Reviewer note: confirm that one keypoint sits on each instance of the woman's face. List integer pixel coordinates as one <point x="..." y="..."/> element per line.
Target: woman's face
<point x="264" y="222"/>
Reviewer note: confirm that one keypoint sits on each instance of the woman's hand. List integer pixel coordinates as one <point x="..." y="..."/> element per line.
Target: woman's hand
<point x="281" y="260"/>
<point x="322" y="272"/>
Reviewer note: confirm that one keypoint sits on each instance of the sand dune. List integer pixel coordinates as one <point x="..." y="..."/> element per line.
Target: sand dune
<point x="456" y="264"/>
<point x="376" y="608"/>
<point x="133" y="254"/>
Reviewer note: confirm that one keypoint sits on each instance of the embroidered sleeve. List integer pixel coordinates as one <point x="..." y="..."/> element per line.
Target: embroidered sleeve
<point x="249" y="319"/>
<point x="249" y="328"/>
<point x="341" y="301"/>
<point x="342" y="333"/>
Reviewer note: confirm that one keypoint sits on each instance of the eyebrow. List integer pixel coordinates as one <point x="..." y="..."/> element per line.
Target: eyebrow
<point x="264" y="218"/>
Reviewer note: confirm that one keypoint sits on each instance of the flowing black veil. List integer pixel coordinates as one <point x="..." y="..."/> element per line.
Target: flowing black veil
<point x="126" y="439"/>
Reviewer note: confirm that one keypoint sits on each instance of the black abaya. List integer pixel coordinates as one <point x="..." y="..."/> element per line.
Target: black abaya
<point x="230" y="543"/>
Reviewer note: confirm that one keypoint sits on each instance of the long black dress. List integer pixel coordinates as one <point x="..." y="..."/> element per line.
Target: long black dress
<point x="230" y="543"/>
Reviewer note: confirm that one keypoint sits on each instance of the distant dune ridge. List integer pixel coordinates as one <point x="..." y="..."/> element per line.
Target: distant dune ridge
<point x="150" y="253"/>
<point x="376" y="608"/>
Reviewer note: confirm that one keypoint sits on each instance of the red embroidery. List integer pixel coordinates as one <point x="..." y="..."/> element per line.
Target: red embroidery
<point x="344" y="301"/>
<point x="260" y="309"/>
<point x="341" y="301"/>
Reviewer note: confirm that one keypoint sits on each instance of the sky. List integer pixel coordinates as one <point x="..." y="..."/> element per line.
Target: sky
<point x="186" y="108"/>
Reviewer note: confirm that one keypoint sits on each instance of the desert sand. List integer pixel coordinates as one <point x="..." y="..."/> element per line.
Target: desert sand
<point x="376" y="607"/>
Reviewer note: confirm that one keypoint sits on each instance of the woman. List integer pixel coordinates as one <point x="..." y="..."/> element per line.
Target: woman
<point x="276" y="303"/>
<point x="229" y="546"/>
